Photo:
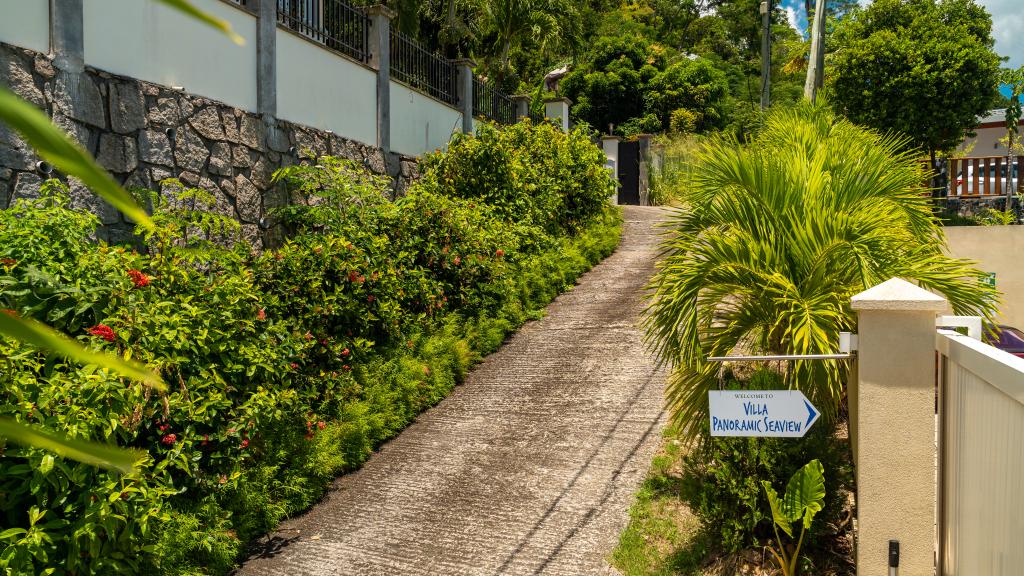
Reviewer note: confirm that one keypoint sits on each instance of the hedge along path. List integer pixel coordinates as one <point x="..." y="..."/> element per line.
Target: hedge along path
<point x="528" y="467"/>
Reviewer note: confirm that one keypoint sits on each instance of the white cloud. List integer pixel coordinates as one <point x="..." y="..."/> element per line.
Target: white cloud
<point x="1007" y="29"/>
<point x="792" y="19"/>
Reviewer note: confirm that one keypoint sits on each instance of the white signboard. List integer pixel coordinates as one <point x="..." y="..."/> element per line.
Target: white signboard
<point x="768" y="413"/>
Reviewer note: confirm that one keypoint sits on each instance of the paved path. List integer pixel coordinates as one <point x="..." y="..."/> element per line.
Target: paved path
<point x="529" y="467"/>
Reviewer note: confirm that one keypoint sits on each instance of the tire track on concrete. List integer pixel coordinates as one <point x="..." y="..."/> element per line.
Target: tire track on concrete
<point x="529" y="467"/>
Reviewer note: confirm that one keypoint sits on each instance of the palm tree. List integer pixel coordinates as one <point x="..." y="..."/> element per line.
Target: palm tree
<point x="514" y="22"/>
<point x="773" y="240"/>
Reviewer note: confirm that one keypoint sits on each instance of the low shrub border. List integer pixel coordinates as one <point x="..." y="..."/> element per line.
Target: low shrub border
<point x="285" y="368"/>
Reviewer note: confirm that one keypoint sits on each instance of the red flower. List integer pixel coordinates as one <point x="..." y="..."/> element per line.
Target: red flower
<point x="8" y="261"/>
<point x="345" y="352"/>
<point x="138" y="278"/>
<point x="458" y="260"/>
<point x="103" y="331"/>
<point x="294" y="366"/>
<point x="206" y="439"/>
<point x="353" y="276"/>
<point x="223" y="478"/>
<point x="499" y="252"/>
<point x="162" y="427"/>
<point x="169" y="439"/>
<point x="370" y="298"/>
<point x="261" y="315"/>
<point x="244" y="444"/>
<point x="321" y="425"/>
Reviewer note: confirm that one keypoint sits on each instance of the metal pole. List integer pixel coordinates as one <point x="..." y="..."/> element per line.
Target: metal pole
<point x="766" y="53"/>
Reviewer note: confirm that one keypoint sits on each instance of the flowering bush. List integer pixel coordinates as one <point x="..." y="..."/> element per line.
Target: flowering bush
<point x="285" y="368"/>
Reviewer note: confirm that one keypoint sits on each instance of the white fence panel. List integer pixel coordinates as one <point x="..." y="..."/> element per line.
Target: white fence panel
<point x="981" y="526"/>
<point x="149" y="41"/>
<point x="25" y="23"/>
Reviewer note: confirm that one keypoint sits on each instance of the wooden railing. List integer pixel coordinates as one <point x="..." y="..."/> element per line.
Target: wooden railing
<point x="984" y="177"/>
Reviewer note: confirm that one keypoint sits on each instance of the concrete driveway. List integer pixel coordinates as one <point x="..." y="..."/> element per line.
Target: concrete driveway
<point x="529" y="467"/>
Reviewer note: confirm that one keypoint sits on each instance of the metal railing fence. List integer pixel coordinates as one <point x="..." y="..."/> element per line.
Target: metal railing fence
<point x="332" y="23"/>
<point x="430" y="73"/>
<point x="490" y="103"/>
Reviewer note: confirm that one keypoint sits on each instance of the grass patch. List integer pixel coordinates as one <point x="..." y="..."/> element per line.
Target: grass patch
<point x="663" y="537"/>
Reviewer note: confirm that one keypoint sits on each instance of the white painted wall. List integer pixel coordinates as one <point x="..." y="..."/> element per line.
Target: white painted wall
<point x="419" y="123"/>
<point x="319" y="88"/>
<point x="26" y="23"/>
<point x="148" y="41"/>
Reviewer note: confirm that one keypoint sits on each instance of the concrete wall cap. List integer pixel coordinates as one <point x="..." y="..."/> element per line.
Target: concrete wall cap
<point x="610" y="137"/>
<point x="381" y="10"/>
<point x="562" y="99"/>
<point x="898" y="295"/>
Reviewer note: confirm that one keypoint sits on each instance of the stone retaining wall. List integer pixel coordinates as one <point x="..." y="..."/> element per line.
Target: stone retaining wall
<point x="144" y="133"/>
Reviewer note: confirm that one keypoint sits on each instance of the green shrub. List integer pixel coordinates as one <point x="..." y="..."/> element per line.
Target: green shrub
<point x="722" y="478"/>
<point x="285" y="368"/>
<point x="531" y="174"/>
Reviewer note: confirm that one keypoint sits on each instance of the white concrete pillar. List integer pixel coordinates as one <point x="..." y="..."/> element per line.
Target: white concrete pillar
<point x="522" y="105"/>
<point x="610" y="145"/>
<point x="266" y="60"/>
<point x="380" y="60"/>
<point x="67" y="35"/>
<point x="557" y="109"/>
<point x="892" y="427"/>
<point x="464" y="91"/>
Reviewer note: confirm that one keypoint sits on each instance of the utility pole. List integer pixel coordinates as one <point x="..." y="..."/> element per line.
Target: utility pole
<point x="766" y="53"/>
<point x="816" y="61"/>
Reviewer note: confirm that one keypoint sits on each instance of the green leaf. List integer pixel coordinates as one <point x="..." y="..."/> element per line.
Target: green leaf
<point x="12" y="532"/>
<point x="66" y="155"/>
<point x="100" y="455"/>
<point x="805" y="493"/>
<point x="780" y="518"/>
<point x="46" y="465"/>
<point x="40" y="335"/>
<point x="223" y="25"/>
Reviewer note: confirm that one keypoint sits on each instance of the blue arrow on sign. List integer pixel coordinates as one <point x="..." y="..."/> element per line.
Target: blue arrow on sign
<point x="812" y="414"/>
<point x="765" y="413"/>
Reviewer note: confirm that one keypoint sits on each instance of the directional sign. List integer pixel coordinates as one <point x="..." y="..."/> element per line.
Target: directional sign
<point x="768" y="413"/>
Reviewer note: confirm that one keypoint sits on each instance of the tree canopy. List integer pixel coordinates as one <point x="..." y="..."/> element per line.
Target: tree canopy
<point x="924" y="68"/>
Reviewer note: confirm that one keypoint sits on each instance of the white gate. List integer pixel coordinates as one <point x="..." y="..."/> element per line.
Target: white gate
<point x="981" y="459"/>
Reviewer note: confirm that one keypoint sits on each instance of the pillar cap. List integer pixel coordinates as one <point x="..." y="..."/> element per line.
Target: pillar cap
<point x="521" y="97"/>
<point x="381" y="10"/>
<point x="611" y="137"/>
<point x="560" y="99"/>
<point x="464" y="62"/>
<point x="898" y="295"/>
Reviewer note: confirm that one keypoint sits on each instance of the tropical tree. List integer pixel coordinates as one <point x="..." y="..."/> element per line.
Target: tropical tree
<point x="773" y="240"/>
<point x="511" y="23"/>
<point x="925" y="68"/>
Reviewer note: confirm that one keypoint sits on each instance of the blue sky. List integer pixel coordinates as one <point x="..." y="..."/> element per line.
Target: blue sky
<point x="1007" y="25"/>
